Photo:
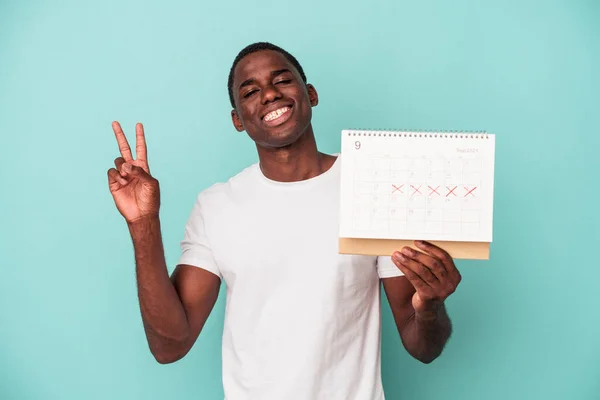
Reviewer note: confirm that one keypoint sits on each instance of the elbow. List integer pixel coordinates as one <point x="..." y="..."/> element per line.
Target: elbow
<point x="169" y="356"/>
<point x="167" y="349"/>
<point x="166" y="358"/>
<point x="426" y="360"/>
<point x="428" y="355"/>
<point x="168" y="352"/>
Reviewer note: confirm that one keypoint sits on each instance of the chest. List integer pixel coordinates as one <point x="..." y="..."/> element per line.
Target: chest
<point x="289" y="242"/>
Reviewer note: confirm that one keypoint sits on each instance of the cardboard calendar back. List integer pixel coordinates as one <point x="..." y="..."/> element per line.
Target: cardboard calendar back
<point x="401" y="186"/>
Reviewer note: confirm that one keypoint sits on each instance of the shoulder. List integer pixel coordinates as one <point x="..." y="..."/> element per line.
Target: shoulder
<point x="220" y="192"/>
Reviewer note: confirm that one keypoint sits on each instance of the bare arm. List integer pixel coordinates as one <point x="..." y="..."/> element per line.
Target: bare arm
<point x="174" y="309"/>
<point x="417" y="299"/>
<point x="423" y="337"/>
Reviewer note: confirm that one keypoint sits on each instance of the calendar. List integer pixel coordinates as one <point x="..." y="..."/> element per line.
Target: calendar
<point x="411" y="185"/>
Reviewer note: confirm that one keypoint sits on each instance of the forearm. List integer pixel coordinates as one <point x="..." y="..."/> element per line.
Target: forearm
<point x="163" y="314"/>
<point x="424" y="336"/>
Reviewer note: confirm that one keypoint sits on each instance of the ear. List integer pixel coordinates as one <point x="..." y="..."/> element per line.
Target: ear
<point x="237" y="123"/>
<point x="312" y="95"/>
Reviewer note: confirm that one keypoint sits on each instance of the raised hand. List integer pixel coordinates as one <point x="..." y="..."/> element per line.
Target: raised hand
<point x="135" y="192"/>
<point x="432" y="273"/>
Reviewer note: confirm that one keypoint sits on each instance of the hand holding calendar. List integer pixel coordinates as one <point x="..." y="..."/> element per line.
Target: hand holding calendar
<point x="432" y="273"/>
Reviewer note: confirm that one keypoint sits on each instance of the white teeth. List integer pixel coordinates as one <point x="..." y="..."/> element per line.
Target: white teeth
<point x="276" y="114"/>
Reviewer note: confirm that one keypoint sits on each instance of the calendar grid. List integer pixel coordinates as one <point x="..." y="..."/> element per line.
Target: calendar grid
<point x="414" y="190"/>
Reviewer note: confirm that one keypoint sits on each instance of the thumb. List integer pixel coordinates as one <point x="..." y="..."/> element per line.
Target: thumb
<point x="129" y="169"/>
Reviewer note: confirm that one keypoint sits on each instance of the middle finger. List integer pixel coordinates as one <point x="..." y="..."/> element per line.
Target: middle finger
<point x="122" y="142"/>
<point x="414" y="264"/>
<point x="435" y="266"/>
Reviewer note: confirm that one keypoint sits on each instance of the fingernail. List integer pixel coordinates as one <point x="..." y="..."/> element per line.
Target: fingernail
<point x="399" y="257"/>
<point x="127" y="168"/>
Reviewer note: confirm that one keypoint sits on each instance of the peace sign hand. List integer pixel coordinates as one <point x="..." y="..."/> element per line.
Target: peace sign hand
<point x="135" y="192"/>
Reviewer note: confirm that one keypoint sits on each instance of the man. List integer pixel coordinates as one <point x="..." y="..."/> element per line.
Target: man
<point x="302" y="322"/>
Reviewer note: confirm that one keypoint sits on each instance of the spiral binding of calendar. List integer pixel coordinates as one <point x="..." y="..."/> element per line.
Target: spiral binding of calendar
<point x="444" y="134"/>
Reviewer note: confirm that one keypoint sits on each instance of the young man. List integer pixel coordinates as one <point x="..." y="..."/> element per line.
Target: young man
<point x="302" y="322"/>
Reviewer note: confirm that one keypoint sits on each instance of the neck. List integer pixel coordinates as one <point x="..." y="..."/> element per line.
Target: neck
<point x="299" y="161"/>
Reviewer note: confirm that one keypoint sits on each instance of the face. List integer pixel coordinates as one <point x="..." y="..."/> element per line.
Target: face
<point x="273" y="104"/>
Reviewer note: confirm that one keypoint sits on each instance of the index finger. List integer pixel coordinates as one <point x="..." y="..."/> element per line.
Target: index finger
<point x="140" y="142"/>
<point x="122" y="141"/>
<point x="437" y="252"/>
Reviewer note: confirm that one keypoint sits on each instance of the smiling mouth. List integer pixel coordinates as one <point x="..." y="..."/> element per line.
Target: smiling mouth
<point x="274" y="115"/>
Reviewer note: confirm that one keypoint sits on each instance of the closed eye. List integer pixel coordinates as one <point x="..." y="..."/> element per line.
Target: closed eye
<point x="283" y="81"/>
<point x="250" y="93"/>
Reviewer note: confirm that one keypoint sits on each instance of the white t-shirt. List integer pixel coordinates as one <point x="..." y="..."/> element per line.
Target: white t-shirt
<point x="302" y="322"/>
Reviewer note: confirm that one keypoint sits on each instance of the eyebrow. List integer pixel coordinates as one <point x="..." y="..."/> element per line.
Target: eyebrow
<point x="275" y="73"/>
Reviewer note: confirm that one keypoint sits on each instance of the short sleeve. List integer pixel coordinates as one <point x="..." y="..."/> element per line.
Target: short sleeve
<point x="386" y="267"/>
<point x="195" y="246"/>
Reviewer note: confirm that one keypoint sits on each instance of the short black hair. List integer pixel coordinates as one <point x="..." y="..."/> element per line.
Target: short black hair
<point x="252" y="48"/>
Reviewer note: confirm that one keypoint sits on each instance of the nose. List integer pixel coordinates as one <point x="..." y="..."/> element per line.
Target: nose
<point x="270" y="93"/>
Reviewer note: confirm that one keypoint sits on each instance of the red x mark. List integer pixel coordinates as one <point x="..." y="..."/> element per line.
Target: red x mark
<point x="451" y="191"/>
<point x="397" y="188"/>
<point x="470" y="192"/>
<point x="433" y="190"/>
<point x="416" y="190"/>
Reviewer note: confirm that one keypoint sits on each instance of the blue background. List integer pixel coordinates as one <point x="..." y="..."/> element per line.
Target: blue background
<point x="527" y="324"/>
